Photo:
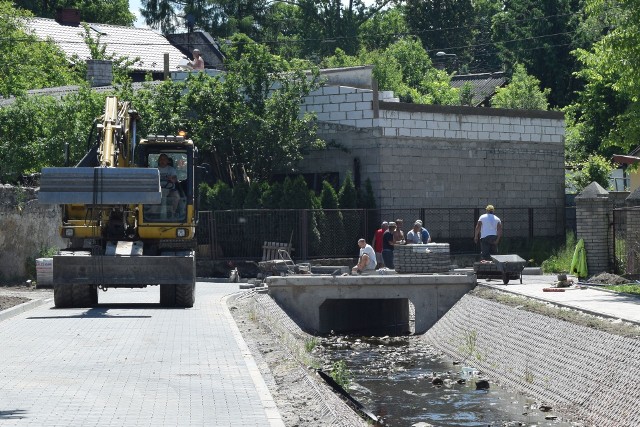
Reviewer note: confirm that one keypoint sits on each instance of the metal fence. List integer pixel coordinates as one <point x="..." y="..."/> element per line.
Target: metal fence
<point x="625" y="244"/>
<point x="240" y="234"/>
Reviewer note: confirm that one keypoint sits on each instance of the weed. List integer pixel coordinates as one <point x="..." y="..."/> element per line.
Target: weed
<point x="341" y="374"/>
<point x="560" y="260"/>
<point x="469" y="345"/>
<point x="310" y="344"/>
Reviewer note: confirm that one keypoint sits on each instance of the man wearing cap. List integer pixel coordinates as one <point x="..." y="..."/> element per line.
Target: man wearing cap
<point x="489" y="230"/>
<point x="197" y="63"/>
<point x="367" y="261"/>
<point x="377" y="243"/>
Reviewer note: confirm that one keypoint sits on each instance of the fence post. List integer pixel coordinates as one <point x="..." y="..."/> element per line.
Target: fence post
<point x="304" y="234"/>
<point x="530" y="223"/>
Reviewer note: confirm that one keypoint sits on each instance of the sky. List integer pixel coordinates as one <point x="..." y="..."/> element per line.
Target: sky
<point x="134" y="7"/>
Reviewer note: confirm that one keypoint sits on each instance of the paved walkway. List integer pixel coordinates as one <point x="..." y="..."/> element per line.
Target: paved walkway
<point x="590" y="299"/>
<point x="129" y="362"/>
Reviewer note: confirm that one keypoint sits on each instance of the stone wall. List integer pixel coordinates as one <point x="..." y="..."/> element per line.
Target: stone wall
<point x="438" y="156"/>
<point x="27" y="228"/>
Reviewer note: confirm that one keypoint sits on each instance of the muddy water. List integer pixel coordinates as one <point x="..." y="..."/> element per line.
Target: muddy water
<point x="406" y="383"/>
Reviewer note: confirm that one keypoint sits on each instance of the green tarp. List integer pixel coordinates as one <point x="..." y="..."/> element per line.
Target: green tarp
<point x="579" y="261"/>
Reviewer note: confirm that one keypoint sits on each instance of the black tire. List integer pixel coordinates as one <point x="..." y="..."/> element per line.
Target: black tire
<point x="505" y="278"/>
<point x="62" y="296"/>
<point x="84" y="295"/>
<point x="185" y="295"/>
<point x="168" y="295"/>
<point x="72" y="296"/>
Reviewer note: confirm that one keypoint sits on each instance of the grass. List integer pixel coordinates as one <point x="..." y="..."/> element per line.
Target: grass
<point x="568" y="315"/>
<point x="625" y="289"/>
<point x="560" y="260"/>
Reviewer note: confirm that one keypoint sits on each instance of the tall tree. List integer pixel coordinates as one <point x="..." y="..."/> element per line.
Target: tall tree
<point x="25" y="61"/>
<point x="605" y="118"/>
<point x="115" y="12"/>
<point x="442" y="25"/>
<point x="539" y="34"/>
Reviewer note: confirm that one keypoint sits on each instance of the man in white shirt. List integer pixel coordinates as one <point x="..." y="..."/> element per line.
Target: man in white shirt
<point x="367" y="261"/>
<point x="489" y="231"/>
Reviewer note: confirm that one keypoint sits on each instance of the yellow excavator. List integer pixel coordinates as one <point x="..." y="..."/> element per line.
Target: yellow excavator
<point x="129" y="213"/>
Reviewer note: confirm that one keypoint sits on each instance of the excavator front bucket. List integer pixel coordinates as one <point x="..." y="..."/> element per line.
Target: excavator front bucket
<point x="99" y="186"/>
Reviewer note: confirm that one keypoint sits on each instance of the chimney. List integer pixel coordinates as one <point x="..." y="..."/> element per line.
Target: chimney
<point x="99" y="72"/>
<point x="68" y="16"/>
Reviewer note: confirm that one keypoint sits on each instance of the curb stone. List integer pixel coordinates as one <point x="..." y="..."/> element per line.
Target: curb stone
<point x="21" y="308"/>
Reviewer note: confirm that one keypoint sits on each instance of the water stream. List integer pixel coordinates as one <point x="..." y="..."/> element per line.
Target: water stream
<point x="406" y="383"/>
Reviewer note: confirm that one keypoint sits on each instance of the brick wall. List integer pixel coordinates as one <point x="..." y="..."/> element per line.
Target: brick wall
<point x="425" y="155"/>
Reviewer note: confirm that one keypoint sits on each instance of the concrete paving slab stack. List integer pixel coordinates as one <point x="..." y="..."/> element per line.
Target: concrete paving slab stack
<point x="429" y="258"/>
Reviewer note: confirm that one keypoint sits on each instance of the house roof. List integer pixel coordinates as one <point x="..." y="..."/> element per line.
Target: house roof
<point x="62" y="91"/>
<point x="483" y="85"/>
<point x="142" y="43"/>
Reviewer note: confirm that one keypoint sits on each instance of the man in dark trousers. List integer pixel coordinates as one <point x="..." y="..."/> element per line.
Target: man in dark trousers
<point x="489" y="231"/>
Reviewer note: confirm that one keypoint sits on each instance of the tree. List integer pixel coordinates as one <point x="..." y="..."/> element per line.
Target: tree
<point x="248" y="123"/>
<point x="115" y="12"/>
<point x="41" y="138"/>
<point x="523" y="93"/>
<point x="383" y="29"/>
<point x="595" y="168"/>
<point x="538" y="34"/>
<point x="25" y="61"/>
<point x="406" y="69"/>
<point x="605" y="116"/>
<point x="442" y="25"/>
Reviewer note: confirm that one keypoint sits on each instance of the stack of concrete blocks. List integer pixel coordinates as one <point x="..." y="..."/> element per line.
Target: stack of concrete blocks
<point x="593" y="210"/>
<point x="99" y="72"/>
<point x="429" y="258"/>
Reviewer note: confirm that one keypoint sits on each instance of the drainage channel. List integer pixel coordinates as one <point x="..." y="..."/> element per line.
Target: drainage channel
<point x="405" y="382"/>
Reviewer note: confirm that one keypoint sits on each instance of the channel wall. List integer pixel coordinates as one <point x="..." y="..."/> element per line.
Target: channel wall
<point x="590" y="374"/>
<point x="586" y="374"/>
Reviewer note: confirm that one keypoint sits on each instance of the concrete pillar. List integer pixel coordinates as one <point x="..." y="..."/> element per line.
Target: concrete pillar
<point x="99" y="72"/>
<point x="593" y="218"/>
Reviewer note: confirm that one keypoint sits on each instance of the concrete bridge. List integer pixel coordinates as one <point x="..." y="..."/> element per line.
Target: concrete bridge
<point x="368" y="305"/>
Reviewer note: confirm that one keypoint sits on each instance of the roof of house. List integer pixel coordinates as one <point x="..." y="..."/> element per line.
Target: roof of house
<point x="142" y="43"/>
<point x="62" y="91"/>
<point x="483" y="85"/>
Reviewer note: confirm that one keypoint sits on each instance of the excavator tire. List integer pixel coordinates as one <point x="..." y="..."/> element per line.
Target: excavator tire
<point x="62" y="296"/>
<point x="84" y="295"/>
<point x="72" y="296"/>
<point x="168" y="295"/>
<point x="185" y="295"/>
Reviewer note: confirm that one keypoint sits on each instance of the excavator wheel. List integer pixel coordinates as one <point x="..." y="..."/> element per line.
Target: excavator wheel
<point x="185" y="295"/>
<point x="168" y="295"/>
<point x="71" y="296"/>
<point x="62" y="296"/>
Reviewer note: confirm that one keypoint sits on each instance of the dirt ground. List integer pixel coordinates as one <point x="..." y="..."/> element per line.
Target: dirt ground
<point x="15" y="294"/>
